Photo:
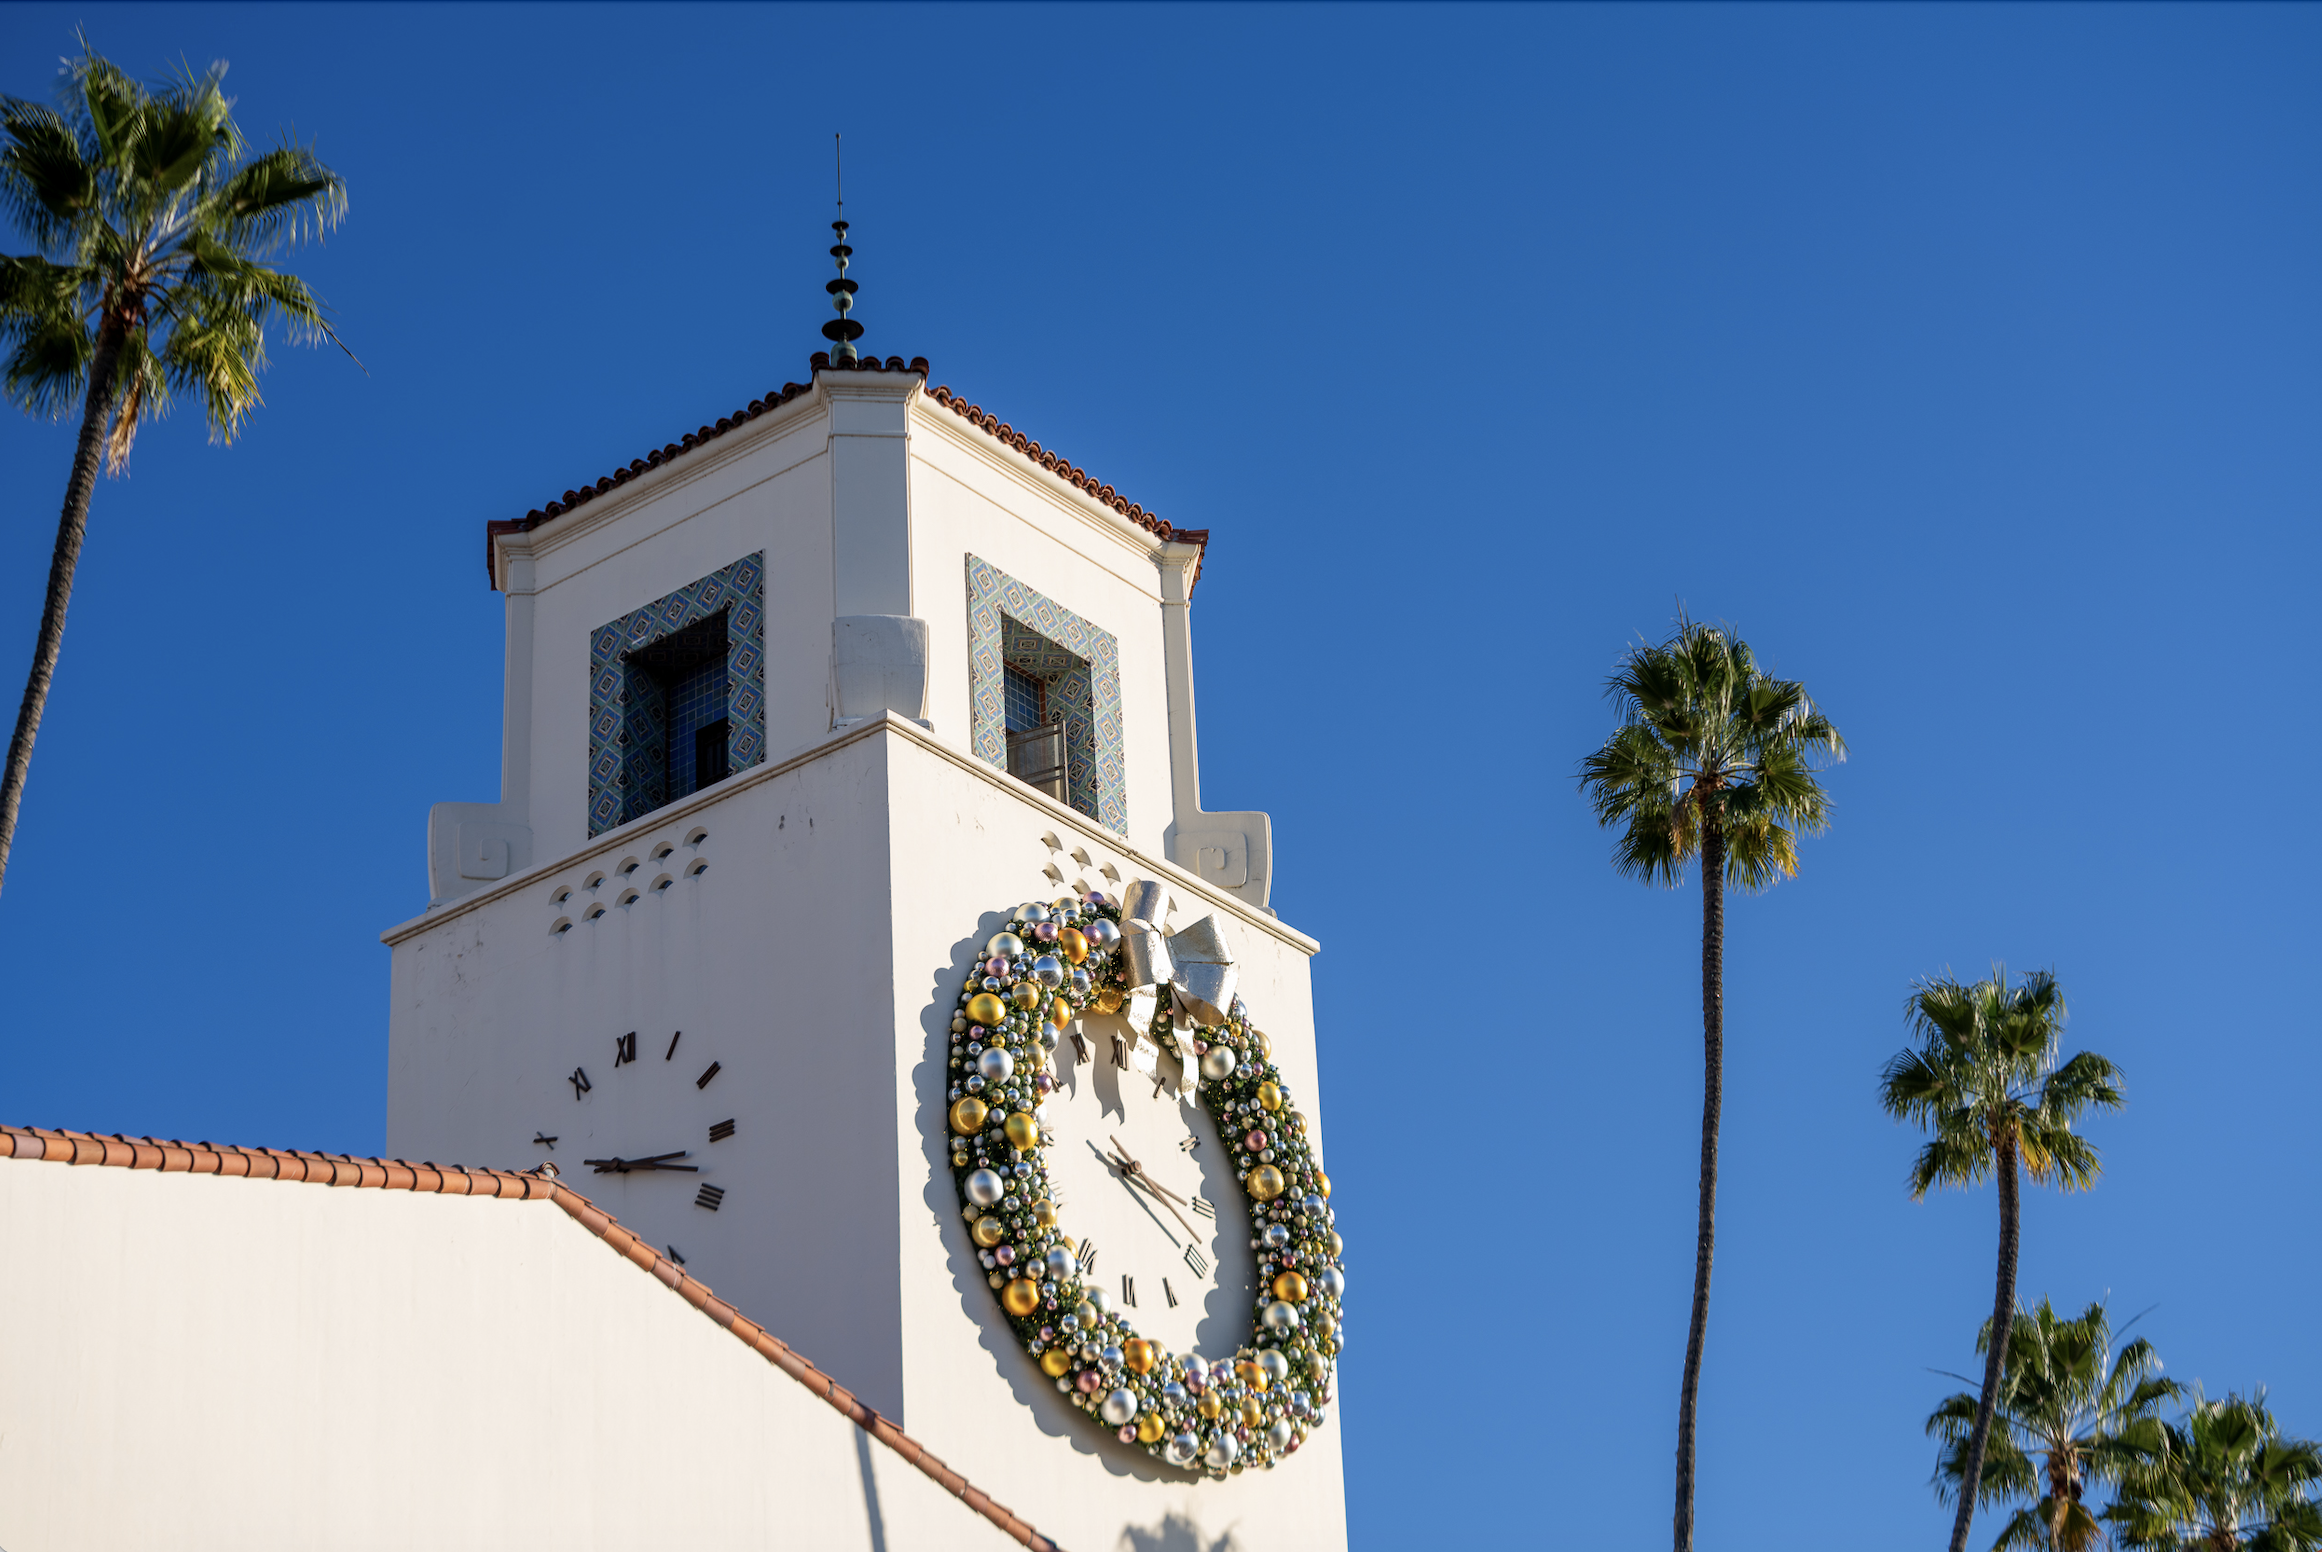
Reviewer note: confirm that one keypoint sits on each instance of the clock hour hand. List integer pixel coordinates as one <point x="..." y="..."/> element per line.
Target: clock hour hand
<point x="1135" y="1176"/>
<point x="1138" y="1170"/>
<point x="658" y="1161"/>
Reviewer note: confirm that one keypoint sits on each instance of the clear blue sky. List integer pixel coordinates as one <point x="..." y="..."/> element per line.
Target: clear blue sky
<point x="1965" y="358"/>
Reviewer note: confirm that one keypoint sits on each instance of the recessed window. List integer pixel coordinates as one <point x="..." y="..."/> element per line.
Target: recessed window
<point x="677" y="695"/>
<point x="1035" y="734"/>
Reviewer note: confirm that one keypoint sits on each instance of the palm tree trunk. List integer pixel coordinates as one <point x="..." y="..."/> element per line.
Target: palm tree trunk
<point x="1712" y="1102"/>
<point x="2003" y="1309"/>
<point x="71" y="529"/>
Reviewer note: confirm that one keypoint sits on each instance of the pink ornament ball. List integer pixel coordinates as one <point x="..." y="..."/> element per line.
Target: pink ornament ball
<point x="1045" y="932"/>
<point x="1128" y="1433"/>
<point x="1087" y="1382"/>
<point x="1005" y="1255"/>
<point x="1254" y="1141"/>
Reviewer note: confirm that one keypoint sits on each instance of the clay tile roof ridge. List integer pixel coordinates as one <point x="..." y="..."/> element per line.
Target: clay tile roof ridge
<point x="205" y="1158"/>
<point x="670" y="452"/>
<point x="1080" y="479"/>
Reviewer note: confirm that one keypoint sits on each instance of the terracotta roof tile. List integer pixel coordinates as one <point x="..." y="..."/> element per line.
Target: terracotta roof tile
<point x="202" y="1158"/>
<point x="973" y="414"/>
<point x="1064" y="469"/>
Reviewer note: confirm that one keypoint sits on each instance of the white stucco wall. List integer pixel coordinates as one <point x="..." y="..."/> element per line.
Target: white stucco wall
<point x="816" y="959"/>
<point x="198" y="1362"/>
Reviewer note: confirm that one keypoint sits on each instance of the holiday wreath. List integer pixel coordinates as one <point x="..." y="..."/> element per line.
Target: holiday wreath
<point x="1047" y="966"/>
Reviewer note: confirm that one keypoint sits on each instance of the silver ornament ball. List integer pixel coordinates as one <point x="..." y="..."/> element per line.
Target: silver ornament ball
<point x="995" y="1066"/>
<point x="1120" y="1407"/>
<point x="984" y="1188"/>
<point x="1281" y="1316"/>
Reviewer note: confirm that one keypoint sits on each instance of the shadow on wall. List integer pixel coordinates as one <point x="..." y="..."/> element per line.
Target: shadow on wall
<point x="1175" y="1533"/>
<point x="1032" y="1389"/>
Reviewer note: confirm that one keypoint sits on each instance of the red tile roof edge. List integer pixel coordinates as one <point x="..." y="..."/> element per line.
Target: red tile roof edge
<point x="202" y="1158"/>
<point x="1080" y="479"/>
<point x="973" y="414"/>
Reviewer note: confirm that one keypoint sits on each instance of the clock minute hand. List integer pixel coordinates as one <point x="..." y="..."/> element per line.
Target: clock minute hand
<point x="658" y="1161"/>
<point x="1136" y="1177"/>
<point x="1138" y="1170"/>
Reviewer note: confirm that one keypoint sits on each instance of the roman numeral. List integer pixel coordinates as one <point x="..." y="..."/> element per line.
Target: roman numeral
<point x="1190" y="1144"/>
<point x="1168" y="1293"/>
<point x="673" y="1255"/>
<point x="709" y="1197"/>
<point x="1193" y="1259"/>
<point x="545" y="1141"/>
<point x="580" y="1082"/>
<point x="673" y="1039"/>
<point x="1087" y="1257"/>
<point x="721" y="1131"/>
<point x="1200" y="1204"/>
<point x="702" y="1082"/>
<point x="1128" y="1290"/>
<point x="625" y="1049"/>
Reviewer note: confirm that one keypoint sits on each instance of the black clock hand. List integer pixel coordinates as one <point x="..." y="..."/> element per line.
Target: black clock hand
<point x="1134" y="1174"/>
<point x="1138" y="1170"/>
<point x="658" y="1161"/>
<point x="1129" y="1184"/>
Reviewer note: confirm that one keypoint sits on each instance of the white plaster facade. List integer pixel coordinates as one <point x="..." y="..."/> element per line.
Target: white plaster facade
<point x="806" y="922"/>
<point x="212" y="1364"/>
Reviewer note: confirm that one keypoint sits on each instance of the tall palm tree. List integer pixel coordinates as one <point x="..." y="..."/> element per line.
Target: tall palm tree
<point x="150" y="222"/>
<point x="2069" y="1413"/>
<point x="1715" y="761"/>
<point x="2222" y="1480"/>
<point x="1984" y="1079"/>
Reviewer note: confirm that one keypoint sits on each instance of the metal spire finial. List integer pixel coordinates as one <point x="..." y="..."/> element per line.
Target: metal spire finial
<point x="841" y="331"/>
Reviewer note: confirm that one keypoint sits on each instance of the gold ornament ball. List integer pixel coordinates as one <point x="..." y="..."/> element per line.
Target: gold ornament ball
<point x="1263" y="1046"/>
<point x="985" y="1009"/>
<point x="1322" y="1185"/>
<point x="1023" y="1131"/>
<point x="1270" y="1095"/>
<point x="967" y="1117"/>
<point x="1021" y="1297"/>
<point x="1060" y="1013"/>
<point x="1252" y="1414"/>
<point x="1150" y="1428"/>
<point x="1210" y="1407"/>
<point x="1054" y="1362"/>
<point x="1288" y="1286"/>
<point x="1044" y="1213"/>
<point x="989" y="1231"/>
<point x="1024" y="995"/>
<point x="1265" y="1183"/>
<point x="1109" y="999"/>
<point x="1139" y="1355"/>
<point x="1072" y="944"/>
<point x="1323" y="1325"/>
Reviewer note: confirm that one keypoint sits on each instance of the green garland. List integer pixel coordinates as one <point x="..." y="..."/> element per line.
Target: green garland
<point x="1253" y="1409"/>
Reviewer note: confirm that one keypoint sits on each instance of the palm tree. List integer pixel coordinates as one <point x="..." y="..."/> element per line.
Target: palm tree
<point x="1714" y="761"/>
<point x="150" y="222"/>
<point x="2223" y="1479"/>
<point x="1985" y="1080"/>
<point x="2068" y="1413"/>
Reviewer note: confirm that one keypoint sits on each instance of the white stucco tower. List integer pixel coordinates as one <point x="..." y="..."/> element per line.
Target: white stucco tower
<point x="756" y="817"/>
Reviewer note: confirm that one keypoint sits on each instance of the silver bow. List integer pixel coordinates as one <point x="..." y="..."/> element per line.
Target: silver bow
<point x="1194" y="963"/>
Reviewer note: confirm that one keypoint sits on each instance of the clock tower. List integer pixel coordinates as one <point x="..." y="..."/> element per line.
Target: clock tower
<point x="801" y="710"/>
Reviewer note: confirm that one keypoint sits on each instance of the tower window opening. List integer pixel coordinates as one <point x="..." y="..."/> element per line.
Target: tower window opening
<point x="1035" y="736"/>
<point x="680" y="693"/>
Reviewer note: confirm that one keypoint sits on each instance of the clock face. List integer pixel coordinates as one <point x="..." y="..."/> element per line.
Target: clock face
<point x="641" y="1133"/>
<point x="1181" y="1270"/>
<point x="1121" y="1233"/>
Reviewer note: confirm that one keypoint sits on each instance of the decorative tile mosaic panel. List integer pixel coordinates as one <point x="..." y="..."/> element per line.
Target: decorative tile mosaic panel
<point x="628" y="714"/>
<point x="1011" y="626"/>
